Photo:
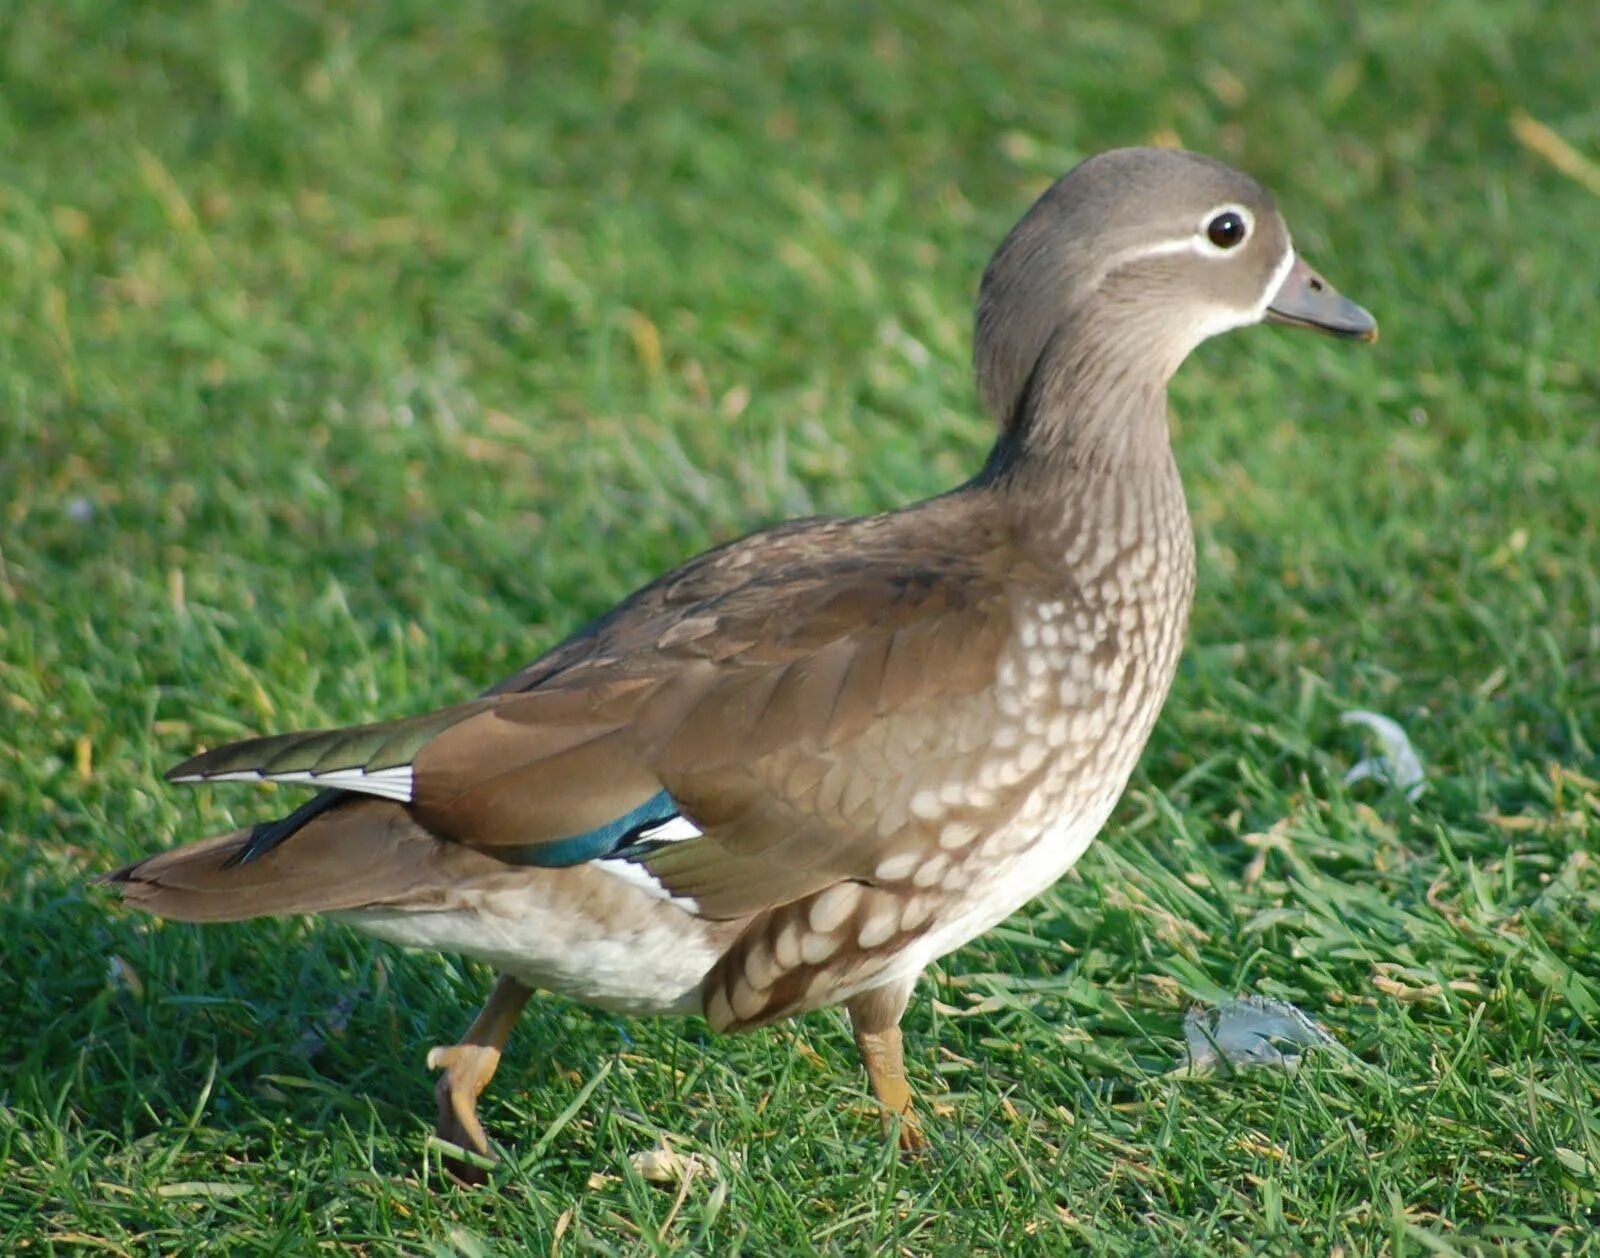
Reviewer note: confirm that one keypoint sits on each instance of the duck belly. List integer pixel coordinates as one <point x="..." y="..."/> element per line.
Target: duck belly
<point x="616" y="948"/>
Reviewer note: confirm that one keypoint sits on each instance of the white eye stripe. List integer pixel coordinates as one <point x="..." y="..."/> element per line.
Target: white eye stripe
<point x="1159" y="249"/>
<point x="1198" y="244"/>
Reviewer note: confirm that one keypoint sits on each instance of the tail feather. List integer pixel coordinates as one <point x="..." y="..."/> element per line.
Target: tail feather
<point x="362" y="854"/>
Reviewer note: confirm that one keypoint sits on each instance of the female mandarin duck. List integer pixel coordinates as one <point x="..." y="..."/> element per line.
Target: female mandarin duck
<point x="791" y="773"/>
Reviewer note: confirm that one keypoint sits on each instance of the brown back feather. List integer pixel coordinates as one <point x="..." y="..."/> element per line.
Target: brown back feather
<point x="779" y="705"/>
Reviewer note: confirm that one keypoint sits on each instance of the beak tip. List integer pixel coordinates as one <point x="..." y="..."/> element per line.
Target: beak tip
<point x="1304" y="299"/>
<point x="1366" y="327"/>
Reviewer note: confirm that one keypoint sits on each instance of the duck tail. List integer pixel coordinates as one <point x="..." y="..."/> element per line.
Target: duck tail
<point x="186" y="884"/>
<point x="358" y="853"/>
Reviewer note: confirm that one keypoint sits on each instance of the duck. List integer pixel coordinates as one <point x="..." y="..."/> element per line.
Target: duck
<point x="795" y="771"/>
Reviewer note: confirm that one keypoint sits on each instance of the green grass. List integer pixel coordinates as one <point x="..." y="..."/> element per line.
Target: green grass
<point x="349" y="355"/>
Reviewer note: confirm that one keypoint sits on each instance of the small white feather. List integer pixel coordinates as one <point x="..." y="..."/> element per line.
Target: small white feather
<point x="638" y="876"/>
<point x="672" y="830"/>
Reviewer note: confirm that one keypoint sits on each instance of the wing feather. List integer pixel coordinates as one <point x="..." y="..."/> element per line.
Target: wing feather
<point x="781" y="691"/>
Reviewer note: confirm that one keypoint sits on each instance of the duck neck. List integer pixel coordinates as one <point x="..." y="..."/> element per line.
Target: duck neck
<point x="1086" y="451"/>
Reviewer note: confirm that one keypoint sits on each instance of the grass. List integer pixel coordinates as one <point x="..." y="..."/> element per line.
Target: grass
<point x="350" y="355"/>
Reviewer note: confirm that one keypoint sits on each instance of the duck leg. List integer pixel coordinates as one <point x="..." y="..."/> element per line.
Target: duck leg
<point x="469" y="1065"/>
<point x="875" y="1022"/>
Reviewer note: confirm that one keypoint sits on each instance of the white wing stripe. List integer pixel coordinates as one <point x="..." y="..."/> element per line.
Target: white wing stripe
<point x="392" y="784"/>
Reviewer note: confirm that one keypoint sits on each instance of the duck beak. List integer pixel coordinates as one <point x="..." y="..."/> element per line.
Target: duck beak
<point x="1306" y="300"/>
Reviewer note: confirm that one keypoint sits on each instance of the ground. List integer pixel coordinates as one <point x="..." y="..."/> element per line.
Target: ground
<point x="349" y="355"/>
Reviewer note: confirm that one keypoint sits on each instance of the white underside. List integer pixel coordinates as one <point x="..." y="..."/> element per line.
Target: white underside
<point x="646" y="964"/>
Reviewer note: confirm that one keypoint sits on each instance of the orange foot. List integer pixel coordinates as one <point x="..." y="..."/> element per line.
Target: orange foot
<point x="912" y="1138"/>
<point x="467" y="1071"/>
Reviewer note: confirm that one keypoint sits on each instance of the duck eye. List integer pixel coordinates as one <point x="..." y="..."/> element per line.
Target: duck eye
<point x="1226" y="230"/>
